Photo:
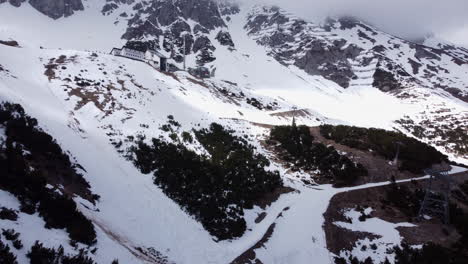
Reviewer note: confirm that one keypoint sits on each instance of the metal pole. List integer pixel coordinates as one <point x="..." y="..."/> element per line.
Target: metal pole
<point x="185" y="52"/>
<point x="395" y="160"/>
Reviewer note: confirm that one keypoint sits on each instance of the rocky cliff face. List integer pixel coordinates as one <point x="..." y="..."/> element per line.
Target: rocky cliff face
<point x="343" y="50"/>
<point x="351" y="53"/>
<point x="167" y="25"/>
<point x="52" y="8"/>
<point x="16" y="3"/>
<point x="293" y="42"/>
<point x="57" y="8"/>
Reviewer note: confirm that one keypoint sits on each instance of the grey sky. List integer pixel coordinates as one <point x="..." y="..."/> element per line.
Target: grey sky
<point x="406" y="18"/>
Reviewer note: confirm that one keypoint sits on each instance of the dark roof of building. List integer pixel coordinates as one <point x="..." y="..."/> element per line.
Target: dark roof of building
<point x="133" y="49"/>
<point x="159" y="54"/>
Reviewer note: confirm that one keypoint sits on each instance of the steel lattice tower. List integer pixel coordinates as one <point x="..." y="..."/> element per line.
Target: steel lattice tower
<point x="436" y="199"/>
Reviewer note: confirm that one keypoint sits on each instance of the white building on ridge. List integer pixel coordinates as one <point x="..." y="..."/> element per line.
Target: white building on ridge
<point x="152" y="57"/>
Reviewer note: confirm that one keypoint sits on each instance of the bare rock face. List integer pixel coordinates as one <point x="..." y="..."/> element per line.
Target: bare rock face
<point x="289" y="41"/>
<point x="385" y="81"/>
<point x="166" y="13"/>
<point x="330" y="61"/>
<point x="57" y="8"/>
<point x="16" y="3"/>
<point x="224" y="38"/>
<point x="202" y="42"/>
<point x="228" y="8"/>
<point x="167" y="21"/>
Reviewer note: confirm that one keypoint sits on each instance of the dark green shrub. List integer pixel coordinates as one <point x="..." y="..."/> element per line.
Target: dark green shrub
<point x="27" y="146"/>
<point x="429" y="254"/>
<point x="61" y="212"/>
<point x="186" y="137"/>
<point x="309" y="155"/>
<point x="42" y="255"/>
<point x="8" y="214"/>
<point x="18" y="244"/>
<point x="10" y="234"/>
<point x="400" y="196"/>
<point x="214" y="189"/>
<point x="415" y="156"/>
<point x="6" y="256"/>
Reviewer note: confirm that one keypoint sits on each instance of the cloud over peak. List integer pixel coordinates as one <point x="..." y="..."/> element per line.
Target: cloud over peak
<point x="406" y="18"/>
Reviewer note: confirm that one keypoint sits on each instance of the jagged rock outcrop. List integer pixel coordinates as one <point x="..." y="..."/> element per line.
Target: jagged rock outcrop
<point x="330" y="61"/>
<point x="16" y="3"/>
<point x="385" y="80"/>
<point x="228" y="7"/>
<point x="344" y="50"/>
<point x="349" y="52"/>
<point x="57" y="8"/>
<point x="166" y="24"/>
<point x="202" y="42"/>
<point x="224" y="38"/>
<point x="166" y="13"/>
<point x="290" y="42"/>
<point x="425" y="52"/>
<point x="52" y="8"/>
<point x="111" y="5"/>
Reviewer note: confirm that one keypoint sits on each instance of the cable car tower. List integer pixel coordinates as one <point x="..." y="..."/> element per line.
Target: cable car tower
<point x="436" y="199"/>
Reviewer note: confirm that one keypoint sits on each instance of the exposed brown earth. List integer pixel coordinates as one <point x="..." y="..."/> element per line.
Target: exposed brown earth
<point x="270" y="198"/>
<point x="54" y="63"/>
<point x="378" y="167"/>
<point x="150" y="256"/>
<point x="432" y="230"/>
<point x="379" y="170"/>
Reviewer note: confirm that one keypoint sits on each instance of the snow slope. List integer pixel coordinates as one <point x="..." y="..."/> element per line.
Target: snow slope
<point x="133" y="98"/>
<point x="33" y="29"/>
<point x="133" y="212"/>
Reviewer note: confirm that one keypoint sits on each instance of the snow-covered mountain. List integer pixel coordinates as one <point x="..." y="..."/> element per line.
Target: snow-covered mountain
<point x="267" y="65"/>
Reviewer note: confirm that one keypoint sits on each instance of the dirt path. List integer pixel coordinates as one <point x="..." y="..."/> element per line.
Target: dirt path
<point x="145" y="255"/>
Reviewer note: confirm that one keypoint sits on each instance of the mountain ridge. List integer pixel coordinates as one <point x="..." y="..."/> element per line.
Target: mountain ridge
<point x="269" y="68"/>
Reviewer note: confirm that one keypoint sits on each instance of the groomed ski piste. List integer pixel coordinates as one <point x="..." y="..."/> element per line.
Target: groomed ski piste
<point x="133" y="212"/>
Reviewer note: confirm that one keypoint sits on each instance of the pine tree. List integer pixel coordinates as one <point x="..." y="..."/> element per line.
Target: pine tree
<point x="6" y="257"/>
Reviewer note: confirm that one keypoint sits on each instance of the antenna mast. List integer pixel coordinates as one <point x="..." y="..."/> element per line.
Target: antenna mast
<point x="436" y="200"/>
<point x="185" y="47"/>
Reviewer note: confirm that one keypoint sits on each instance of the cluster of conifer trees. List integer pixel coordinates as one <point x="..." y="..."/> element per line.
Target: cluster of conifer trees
<point x="216" y="188"/>
<point x="414" y="155"/>
<point x="41" y="255"/>
<point x="429" y="253"/>
<point x="6" y="256"/>
<point x="25" y="146"/>
<point x="303" y="152"/>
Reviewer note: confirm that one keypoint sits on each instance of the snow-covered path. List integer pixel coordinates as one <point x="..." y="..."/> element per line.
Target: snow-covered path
<point x="299" y="236"/>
